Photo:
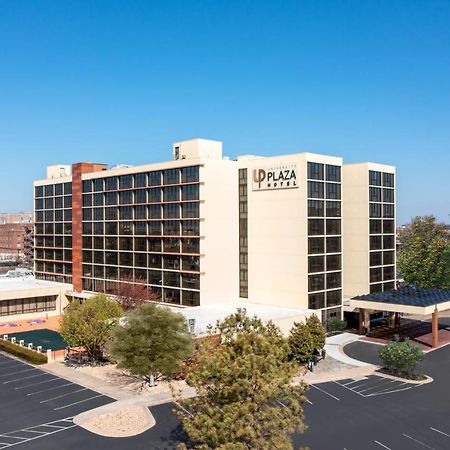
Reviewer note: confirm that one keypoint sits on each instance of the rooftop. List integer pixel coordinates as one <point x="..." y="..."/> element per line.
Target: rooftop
<point x="8" y="284"/>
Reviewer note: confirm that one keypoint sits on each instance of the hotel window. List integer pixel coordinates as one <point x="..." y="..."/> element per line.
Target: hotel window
<point x="316" y="245"/>
<point x="190" y="245"/>
<point x="388" y="211"/>
<point x="375" y="210"/>
<point x="87" y="200"/>
<point x="388" y="180"/>
<point x="111" y="184"/>
<point x="59" y="202"/>
<point x="376" y="274"/>
<point x="171" y="228"/>
<point x="374" y="178"/>
<point x="333" y="227"/>
<point x="171" y="245"/>
<point x="154" y="245"/>
<point x="316" y="301"/>
<point x="140" y="260"/>
<point x="333" y="173"/>
<point x="140" y="212"/>
<point x="111" y="198"/>
<point x="140" y="244"/>
<point x="140" y="228"/>
<point x="126" y="182"/>
<point x="316" y="282"/>
<point x="316" y="264"/>
<point x="58" y="189"/>
<point x="316" y="208"/>
<point x="315" y="171"/>
<point x="190" y="210"/>
<point x="189" y="174"/>
<point x="388" y="258"/>
<point x="376" y="243"/>
<point x="111" y="258"/>
<point x="333" y="262"/>
<point x="39" y="191"/>
<point x="98" y="228"/>
<point x="388" y="273"/>
<point x="190" y="228"/>
<point x="111" y="213"/>
<point x="154" y="228"/>
<point x="154" y="178"/>
<point x="140" y="180"/>
<point x="316" y="227"/>
<point x="334" y="298"/>
<point x="374" y="194"/>
<point x="154" y="212"/>
<point x="125" y="243"/>
<point x="375" y="226"/>
<point x="171" y="211"/>
<point x="315" y="189"/>
<point x="126" y="259"/>
<point x="190" y="298"/>
<point x="171" y="279"/>
<point x="155" y="277"/>
<point x="171" y="296"/>
<point x="125" y="228"/>
<point x="333" y="280"/>
<point x="388" y="242"/>
<point x="171" y="194"/>
<point x="171" y="262"/>
<point x="190" y="263"/>
<point x="376" y="258"/>
<point x="67" y="188"/>
<point x="154" y="195"/>
<point x="190" y="280"/>
<point x="333" y="191"/>
<point x="111" y="228"/>
<point x="388" y="226"/>
<point x="98" y="213"/>
<point x="190" y="192"/>
<point x="171" y="176"/>
<point x="333" y="209"/>
<point x="388" y="195"/>
<point x="333" y="244"/>
<point x="125" y="198"/>
<point x="48" y="190"/>
<point x="125" y="212"/>
<point x="140" y="196"/>
<point x="98" y="184"/>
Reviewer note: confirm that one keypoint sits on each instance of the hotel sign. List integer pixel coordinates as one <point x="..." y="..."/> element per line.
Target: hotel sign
<point x="282" y="176"/>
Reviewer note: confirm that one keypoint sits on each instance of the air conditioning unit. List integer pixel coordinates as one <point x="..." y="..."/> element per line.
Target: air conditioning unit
<point x="13" y="340"/>
<point x="5" y="337"/>
<point x="30" y="346"/>
<point x="39" y="348"/>
<point x="191" y="324"/>
<point x="21" y="342"/>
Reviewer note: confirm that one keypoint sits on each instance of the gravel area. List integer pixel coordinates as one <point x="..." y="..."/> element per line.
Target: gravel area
<point x="330" y="364"/>
<point x="123" y="422"/>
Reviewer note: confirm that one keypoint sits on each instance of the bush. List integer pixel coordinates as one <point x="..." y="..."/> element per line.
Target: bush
<point x="22" y="352"/>
<point x="401" y="358"/>
<point x="301" y="344"/>
<point x="317" y="332"/>
<point x="335" y="324"/>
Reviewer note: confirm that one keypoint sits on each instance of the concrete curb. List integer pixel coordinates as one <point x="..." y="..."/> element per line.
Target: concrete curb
<point x="405" y="380"/>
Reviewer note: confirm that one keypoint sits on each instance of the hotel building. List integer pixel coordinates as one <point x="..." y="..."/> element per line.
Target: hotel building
<point x="202" y="229"/>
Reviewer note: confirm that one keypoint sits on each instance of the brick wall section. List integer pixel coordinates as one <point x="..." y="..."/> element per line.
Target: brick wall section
<point x="78" y="170"/>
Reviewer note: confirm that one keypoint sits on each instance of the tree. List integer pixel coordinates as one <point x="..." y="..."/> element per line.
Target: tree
<point x="246" y="399"/>
<point x="317" y="331"/>
<point x="423" y="258"/>
<point x="401" y="358"/>
<point x="151" y="342"/>
<point x="89" y="323"/>
<point x="335" y="324"/>
<point x="301" y="343"/>
<point x="131" y="293"/>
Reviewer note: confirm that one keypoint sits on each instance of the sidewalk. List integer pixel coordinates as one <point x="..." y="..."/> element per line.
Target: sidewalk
<point x="334" y="345"/>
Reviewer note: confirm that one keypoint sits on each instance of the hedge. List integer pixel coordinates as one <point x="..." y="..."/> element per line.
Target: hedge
<point x="22" y="352"/>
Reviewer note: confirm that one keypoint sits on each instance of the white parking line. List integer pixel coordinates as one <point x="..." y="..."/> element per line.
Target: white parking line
<point x="20" y="371"/>
<point x="377" y="385"/>
<point x="419" y="442"/>
<point x="48" y="389"/>
<point x="35" y="384"/>
<point x="24" y="378"/>
<point x="439" y="431"/>
<point x="63" y="395"/>
<point x="349" y="388"/>
<point x="382" y="445"/>
<point x="325" y="392"/>
<point x="10" y="361"/>
<point x="391" y="392"/>
<point x="76" y="403"/>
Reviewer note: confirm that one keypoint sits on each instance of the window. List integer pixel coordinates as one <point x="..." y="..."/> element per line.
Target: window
<point x="190" y="227"/>
<point x="125" y="259"/>
<point x="171" y="194"/>
<point x="388" y="179"/>
<point x="333" y="173"/>
<point x="374" y="178"/>
<point x="333" y="226"/>
<point x="316" y="227"/>
<point x="140" y="196"/>
<point x="125" y="198"/>
<point x="190" y="210"/>
<point x="333" y="244"/>
<point x="111" y="198"/>
<point x="388" y="257"/>
<point x="140" y="180"/>
<point x="98" y="184"/>
<point x="87" y="200"/>
<point x="171" y="228"/>
<point x="333" y="280"/>
<point x="376" y="274"/>
<point x="140" y="212"/>
<point x="171" y="211"/>
<point x="126" y="181"/>
<point x="315" y="189"/>
<point x="316" y="282"/>
<point x="333" y="209"/>
<point x="154" y="178"/>
<point x="388" y="242"/>
<point x="316" y="301"/>
<point x="334" y="298"/>
<point x="190" y="298"/>
<point x="154" y="212"/>
<point x="316" y="208"/>
<point x="376" y="243"/>
<point x="333" y="262"/>
<point x="375" y="226"/>
<point x="388" y="195"/>
<point x="125" y="243"/>
<point x="154" y="228"/>
<point x="316" y="245"/>
<point x="154" y="245"/>
<point x="171" y="176"/>
<point x="125" y="212"/>
<point x="171" y="245"/>
<point x="154" y="195"/>
<point x="375" y="210"/>
<point x="125" y="228"/>
<point x="388" y="226"/>
<point x="333" y="191"/>
<point x="140" y="244"/>
<point x="316" y="264"/>
<point x="388" y="273"/>
<point x="376" y="258"/>
<point x="111" y="184"/>
<point x="190" y="192"/>
<point x="189" y="174"/>
<point x="110" y="227"/>
<point x="375" y="194"/>
<point x="388" y="211"/>
<point x="315" y="171"/>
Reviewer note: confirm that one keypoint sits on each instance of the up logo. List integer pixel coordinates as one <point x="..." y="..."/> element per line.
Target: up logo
<point x="283" y="176"/>
<point x="259" y="175"/>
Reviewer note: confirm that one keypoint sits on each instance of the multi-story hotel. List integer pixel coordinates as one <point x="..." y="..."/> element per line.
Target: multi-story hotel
<point x="297" y="231"/>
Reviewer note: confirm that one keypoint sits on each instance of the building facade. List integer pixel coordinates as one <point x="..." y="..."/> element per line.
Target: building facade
<point x="202" y="229"/>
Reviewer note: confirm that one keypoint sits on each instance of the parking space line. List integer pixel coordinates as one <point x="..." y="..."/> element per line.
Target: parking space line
<point x="11" y="361"/>
<point x="325" y="392"/>
<point x="419" y="442"/>
<point x="20" y="371"/>
<point x="382" y="445"/>
<point x="377" y="386"/>
<point x="48" y="389"/>
<point x="391" y="392"/>
<point x="25" y="378"/>
<point x="351" y="382"/>
<point x="349" y="388"/>
<point x="63" y="395"/>
<point x="81" y="401"/>
<point x="35" y="384"/>
<point x="439" y="431"/>
<point x="12" y="437"/>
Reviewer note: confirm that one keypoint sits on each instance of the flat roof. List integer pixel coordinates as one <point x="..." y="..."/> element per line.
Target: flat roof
<point x="12" y="284"/>
<point x="408" y="296"/>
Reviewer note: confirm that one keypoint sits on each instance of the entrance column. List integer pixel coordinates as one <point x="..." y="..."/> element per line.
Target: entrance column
<point x="361" y="320"/>
<point x="435" y="329"/>
<point x="367" y="321"/>
<point x="391" y="319"/>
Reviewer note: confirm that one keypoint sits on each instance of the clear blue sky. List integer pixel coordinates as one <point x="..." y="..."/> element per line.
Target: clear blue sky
<point x="119" y="81"/>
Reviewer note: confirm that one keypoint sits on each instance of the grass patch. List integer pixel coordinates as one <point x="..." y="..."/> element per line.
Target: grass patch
<point x="412" y="377"/>
<point x="22" y="352"/>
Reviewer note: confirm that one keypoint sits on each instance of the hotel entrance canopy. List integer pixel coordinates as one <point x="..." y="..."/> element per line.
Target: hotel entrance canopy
<point x="406" y="300"/>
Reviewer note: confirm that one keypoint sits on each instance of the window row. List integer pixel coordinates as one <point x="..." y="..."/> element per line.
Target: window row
<point x="381" y="178"/>
<point x="55" y="255"/>
<point x="324" y="281"/>
<point x="386" y="211"/>
<point x="155" y="195"/>
<point x="53" y="203"/>
<point x="156" y="178"/>
<point x="331" y="191"/>
<point x="27" y="305"/>
<point x="319" y="208"/>
<point x="382" y="274"/>
<point x="324" y="263"/>
<point x="385" y="195"/>
<point x="328" y="299"/>
<point x="381" y="226"/>
<point x="322" y="227"/>
<point x="385" y="242"/>
<point x="381" y="287"/>
<point x="53" y="215"/>
<point x="142" y="244"/>
<point x="53" y="228"/>
<point x="52" y="267"/>
<point x="318" y="245"/>
<point x="155" y="228"/>
<point x="53" y="241"/>
<point x="51" y="190"/>
<point x="382" y="258"/>
<point x="53" y="277"/>
<point x="143" y="212"/>
<point x="317" y="171"/>
<point x="166" y="295"/>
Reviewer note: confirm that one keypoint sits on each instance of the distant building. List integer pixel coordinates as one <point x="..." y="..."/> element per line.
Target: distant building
<point x="20" y="217"/>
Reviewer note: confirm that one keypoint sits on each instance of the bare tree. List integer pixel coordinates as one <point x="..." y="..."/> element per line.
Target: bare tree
<point x="130" y="293"/>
